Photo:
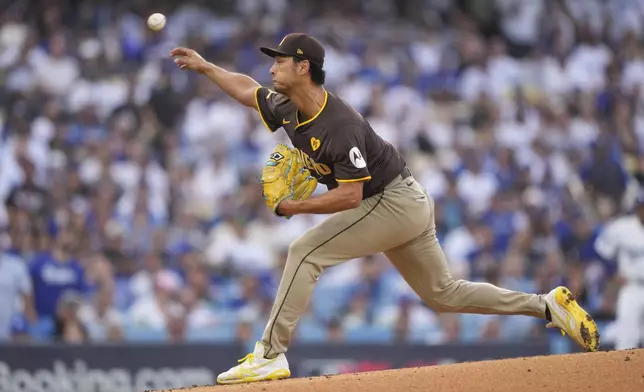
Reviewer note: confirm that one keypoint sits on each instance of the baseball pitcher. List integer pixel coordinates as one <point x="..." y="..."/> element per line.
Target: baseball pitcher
<point x="623" y="240"/>
<point x="375" y="202"/>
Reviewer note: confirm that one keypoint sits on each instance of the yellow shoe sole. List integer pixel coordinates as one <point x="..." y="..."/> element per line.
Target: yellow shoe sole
<point x="276" y="375"/>
<point x="587" y="333"/>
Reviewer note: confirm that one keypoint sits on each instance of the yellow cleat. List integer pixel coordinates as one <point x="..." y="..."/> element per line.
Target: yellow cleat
<point x="254" y="367"/>
<point x="572" y="319"/>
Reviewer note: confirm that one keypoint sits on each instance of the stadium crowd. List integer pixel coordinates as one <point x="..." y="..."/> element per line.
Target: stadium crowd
<point x="131" y="207"/>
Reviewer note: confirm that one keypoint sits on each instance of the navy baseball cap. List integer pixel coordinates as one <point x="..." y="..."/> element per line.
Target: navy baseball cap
<point x="299" y="45"/>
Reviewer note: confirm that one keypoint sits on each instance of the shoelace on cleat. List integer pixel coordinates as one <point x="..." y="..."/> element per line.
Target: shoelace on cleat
<point x="250" y="357"/>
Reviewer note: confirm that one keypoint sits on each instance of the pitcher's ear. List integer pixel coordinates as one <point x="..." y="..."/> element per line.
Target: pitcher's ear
<point x="304" y="67"/>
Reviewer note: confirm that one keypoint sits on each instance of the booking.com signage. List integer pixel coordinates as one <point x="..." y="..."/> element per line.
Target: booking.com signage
<point x="136" y="368"/>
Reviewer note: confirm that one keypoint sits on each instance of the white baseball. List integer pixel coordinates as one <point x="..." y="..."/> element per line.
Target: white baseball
<point x="156" y="21"/>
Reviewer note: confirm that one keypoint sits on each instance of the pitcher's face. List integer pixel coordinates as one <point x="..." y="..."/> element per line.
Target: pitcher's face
<point x="285" y="75"/>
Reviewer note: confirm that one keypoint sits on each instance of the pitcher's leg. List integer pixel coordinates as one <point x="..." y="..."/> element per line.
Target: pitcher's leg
<point x="293" y="295"/>
<point x="342" y="237"/>
<point x="422" y="264"/>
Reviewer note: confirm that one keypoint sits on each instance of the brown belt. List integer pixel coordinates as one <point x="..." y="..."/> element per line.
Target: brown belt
<point x="404" y="173"/>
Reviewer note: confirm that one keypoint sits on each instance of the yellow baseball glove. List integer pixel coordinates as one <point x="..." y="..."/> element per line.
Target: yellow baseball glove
<point x="285" y="177"/>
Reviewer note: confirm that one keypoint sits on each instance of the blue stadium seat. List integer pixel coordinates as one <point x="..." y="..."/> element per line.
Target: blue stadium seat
<point x="516" y="328"/>
<point x="144" y="335"/>
<point x="225" y="332"/>
<point x="42" y="330"/>
<point x="369" y="334"/>
<point x="310" y="331"/>
<point x="559" y="344"/>
<point x="472" y="326"/>
<point x="328" y="301"/>
<point x="424" y="334"/>
<point x="200" y="335"/>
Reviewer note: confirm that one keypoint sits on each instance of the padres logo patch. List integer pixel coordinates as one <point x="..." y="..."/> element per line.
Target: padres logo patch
<point x="315" y="143"/>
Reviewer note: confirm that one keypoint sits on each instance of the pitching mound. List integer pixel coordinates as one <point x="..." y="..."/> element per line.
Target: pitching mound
<point x="621" y="371"/>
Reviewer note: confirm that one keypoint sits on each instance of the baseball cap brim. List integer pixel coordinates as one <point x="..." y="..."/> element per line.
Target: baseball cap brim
<point x="274" y="52"/>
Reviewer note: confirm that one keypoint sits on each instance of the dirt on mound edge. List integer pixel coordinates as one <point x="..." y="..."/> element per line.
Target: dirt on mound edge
<point x="618" y="371"/>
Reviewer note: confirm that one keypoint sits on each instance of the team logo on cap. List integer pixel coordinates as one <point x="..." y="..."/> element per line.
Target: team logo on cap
<point x="299" y="51"/>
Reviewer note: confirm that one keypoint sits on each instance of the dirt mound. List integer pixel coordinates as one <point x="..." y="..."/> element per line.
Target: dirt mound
<point x="621" y="371"/>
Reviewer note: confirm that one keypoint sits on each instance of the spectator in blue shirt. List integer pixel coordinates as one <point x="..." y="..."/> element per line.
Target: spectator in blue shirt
<point x="604" y="175"/>
<point x="577" y="242"/>
<point x="503" y="219"/>
<point x="56" y="272"/>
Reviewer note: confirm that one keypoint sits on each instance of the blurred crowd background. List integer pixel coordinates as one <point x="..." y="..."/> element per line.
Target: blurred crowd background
<point x="131" y="206"/>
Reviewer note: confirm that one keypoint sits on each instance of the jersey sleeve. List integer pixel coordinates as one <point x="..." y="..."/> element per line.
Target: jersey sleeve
<point x="272" y="107"/>
<point x="349" y="153"/>
<point x="607" y="243"/>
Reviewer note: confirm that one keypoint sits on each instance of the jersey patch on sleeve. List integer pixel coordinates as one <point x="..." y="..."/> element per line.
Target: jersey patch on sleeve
<point x="357" y="159"/>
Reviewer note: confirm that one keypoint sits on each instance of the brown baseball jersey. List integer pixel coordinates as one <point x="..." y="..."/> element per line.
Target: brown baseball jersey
<point x="336" y="145"/>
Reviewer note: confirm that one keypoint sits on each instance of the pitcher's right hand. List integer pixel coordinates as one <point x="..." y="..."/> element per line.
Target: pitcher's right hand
<point x="189" y="59"/>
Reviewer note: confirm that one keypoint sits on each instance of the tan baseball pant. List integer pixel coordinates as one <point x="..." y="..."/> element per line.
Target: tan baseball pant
<point x="400" y="223"/>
